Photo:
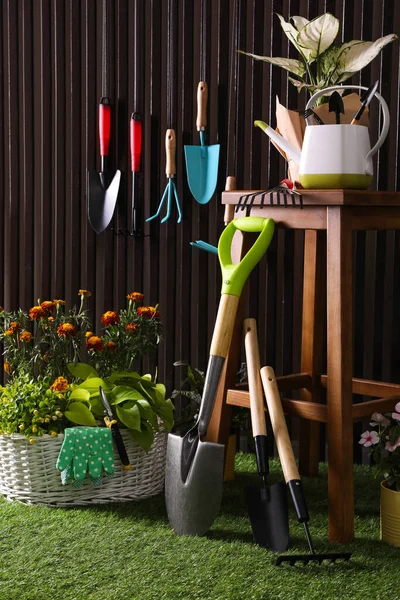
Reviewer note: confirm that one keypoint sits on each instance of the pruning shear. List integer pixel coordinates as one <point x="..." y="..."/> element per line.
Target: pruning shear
<point x="113" y="425"/>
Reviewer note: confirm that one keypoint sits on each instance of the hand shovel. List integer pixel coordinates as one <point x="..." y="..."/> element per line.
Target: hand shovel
<point x="267" y="505"/>
<point x="103" y="187"/>
<point x="202" y="161"/>
<point x="194" y="468"/>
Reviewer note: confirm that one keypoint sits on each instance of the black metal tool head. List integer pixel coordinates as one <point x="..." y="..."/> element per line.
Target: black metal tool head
<point x="307" y="558"/>
<point x="336" y="105"/>
<point x="268" y="512"/>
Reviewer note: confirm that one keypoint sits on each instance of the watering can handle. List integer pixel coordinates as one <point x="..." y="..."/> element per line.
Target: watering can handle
<point x="385" y="111"/>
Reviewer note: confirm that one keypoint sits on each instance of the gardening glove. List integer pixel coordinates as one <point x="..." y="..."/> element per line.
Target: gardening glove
<point x="86" y="449"/>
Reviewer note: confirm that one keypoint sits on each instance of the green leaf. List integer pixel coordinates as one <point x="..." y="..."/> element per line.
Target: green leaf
<point x="122" y="375"/>
<point x="130" y="417"/>
<point x="166" y="414"/>
<point x="79" y="413"/>
<point x="318" y="35"/>
<point x="148" y="413"/>
<point x="122" y="393"/>
<point x="96" y="406"/>
<point x="92" y="384"/>
<point x="79" y="394"/>
<point x="82" y="370"/>
<point x="145" y="437"/>
<point x="290" y="64"/>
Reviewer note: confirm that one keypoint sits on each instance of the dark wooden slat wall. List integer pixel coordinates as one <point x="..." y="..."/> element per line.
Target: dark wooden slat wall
<point x="51" y="66"/>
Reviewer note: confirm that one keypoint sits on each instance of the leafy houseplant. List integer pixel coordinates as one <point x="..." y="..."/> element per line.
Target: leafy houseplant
<point x="384" y="441"/>
<point x="44" y="352"/>
<point x="322" y="63"/>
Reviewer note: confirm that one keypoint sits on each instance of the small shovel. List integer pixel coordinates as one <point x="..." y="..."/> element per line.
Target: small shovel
<point x="202" y="161"/>
<point x="267" y="505"/>
<point x="103" y="187"/>
<point x="336" y="105"/>
<point x="194" y="468"/>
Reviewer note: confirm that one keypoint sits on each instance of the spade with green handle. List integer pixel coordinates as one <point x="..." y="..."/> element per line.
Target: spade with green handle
<point x="194" y="468"/>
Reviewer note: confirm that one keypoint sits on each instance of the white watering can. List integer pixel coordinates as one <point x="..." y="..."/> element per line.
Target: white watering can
<point x="333" y="156"/>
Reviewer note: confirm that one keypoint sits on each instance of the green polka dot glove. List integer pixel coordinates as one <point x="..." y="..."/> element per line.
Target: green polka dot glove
<point x="86" y="450"/>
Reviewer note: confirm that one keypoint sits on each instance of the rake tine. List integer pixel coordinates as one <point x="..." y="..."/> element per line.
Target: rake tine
<point x="284" y="194"/>
<point x="262" y="203"/>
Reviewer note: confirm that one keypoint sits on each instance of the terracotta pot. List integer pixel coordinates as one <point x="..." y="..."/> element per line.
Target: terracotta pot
<point x="229" y="471"/>
<point x="390" y="516"/>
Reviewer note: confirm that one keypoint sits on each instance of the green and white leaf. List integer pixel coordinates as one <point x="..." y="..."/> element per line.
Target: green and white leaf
<point x="292" y="65"/>
<point x="299" y="22"/>
<point x="78" y="413"/>
<point x="359" y="54"/>
<point x="300" y="85"/>
<point x="292" y="35"/>
<point x="318" y="35"/>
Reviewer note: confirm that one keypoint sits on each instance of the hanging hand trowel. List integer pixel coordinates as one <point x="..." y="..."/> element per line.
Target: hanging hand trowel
<point x="194" y="469"/>
<point x="202" y="161"/>
<point x="103" y="187"/>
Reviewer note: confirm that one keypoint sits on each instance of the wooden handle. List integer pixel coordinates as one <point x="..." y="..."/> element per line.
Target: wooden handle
<point x="229" y="213"/>
<point x="224" y="325"/>
<point x="253" y="374"/>
<point x="170" y="150"/>
<point x="202" y="99"/>
<point x="355" y="121"/>
<point x="279" y="427"/>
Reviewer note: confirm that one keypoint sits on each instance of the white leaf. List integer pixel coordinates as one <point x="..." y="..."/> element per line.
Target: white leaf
<point x="306" y="86"/>
<point x="319" y="34"/>
<point x="299" y="22"/>
<point x="290" y="64"/>
<point x="360" y="54"/>
<point x="292" y="34"/>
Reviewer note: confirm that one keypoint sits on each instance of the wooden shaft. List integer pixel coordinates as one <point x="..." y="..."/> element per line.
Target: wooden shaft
<point x="354" y="121"/>
<point x="202" y="99"/>
<point x="224" y="325"/>
<point x="229" y="208"/>
<point x="253" y="373"/>
<point x="170" y="150"/>
<point x="279" y="427"/>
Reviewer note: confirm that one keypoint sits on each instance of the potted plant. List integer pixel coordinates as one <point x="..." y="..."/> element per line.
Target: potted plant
<point x="384" y="441"/>
<point x="54" y="365"/>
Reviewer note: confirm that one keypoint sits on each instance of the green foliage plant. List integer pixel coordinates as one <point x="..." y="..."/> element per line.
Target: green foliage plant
<point x="322" y="63"/>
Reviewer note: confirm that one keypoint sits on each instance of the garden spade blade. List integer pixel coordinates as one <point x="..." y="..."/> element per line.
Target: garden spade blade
<point x="194" y="468"/>
<point x="202" y="161"/>
<point x="103" y="187"/>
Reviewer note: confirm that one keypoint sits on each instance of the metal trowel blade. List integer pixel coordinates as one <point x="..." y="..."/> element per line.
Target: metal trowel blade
<point x="268" y="513"/>
<point x="101" y="202"/>
<point x="193" y="505"/>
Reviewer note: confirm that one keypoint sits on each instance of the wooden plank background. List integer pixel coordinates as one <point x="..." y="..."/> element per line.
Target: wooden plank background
<point x="157" y="51"/>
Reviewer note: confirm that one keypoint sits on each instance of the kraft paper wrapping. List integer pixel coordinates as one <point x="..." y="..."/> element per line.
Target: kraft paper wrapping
<point x="291" y="125"/>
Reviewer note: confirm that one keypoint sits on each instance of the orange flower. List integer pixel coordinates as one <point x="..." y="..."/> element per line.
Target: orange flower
<point x="48" y="305"/>
<point x="36" y="313"/>
<point x="59" y="302"/>
<point x="88" y="334"/>
<point x="9" y="332"/>
<point x="50" y="319"/>
<point x="6" y="367"/>
<point x="15" y="326"/>
<point x="25" y="336"/>
<point x="1" y="309"/>
<point x="111" y="346"/>
<point x="66" y="330"/>
<point x="136" y="296"/>
<point x="110" y="318"/>
<point x="148" y="311"/>
<point x="84" y="293"/>
<point x="60" y="385"/>
<point x="94" y="343"/>
<point x="131" y="327"/>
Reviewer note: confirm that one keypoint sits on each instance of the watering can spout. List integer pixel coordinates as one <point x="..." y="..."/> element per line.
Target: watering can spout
<point x="291" y="152"/>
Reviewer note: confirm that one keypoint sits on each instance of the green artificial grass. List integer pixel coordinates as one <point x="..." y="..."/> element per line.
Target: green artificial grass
<point x="128" y="551"/>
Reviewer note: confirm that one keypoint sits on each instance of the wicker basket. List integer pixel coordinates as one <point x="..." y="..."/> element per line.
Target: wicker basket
<point x="28" y="473"/>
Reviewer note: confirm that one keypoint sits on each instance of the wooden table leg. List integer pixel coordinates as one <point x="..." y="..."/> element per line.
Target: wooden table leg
<point x="311" y="344"/>
<point x="339" y="394"/>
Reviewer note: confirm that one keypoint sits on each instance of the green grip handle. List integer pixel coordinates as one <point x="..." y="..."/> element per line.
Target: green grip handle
<point x="234" y="276"/>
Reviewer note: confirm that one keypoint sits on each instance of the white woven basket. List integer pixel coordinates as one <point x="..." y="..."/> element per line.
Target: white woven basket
<point x="28" y="473"/>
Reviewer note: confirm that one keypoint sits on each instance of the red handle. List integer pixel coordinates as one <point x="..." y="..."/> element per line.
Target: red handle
<point x="136" y="142"/>
<point x="104" y="125"/>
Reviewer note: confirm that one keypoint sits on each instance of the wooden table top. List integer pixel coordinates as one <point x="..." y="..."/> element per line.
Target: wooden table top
<point x="325" y="197"/>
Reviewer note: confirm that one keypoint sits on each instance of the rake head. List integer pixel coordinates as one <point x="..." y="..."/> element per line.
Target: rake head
<point x="306" y="558"/>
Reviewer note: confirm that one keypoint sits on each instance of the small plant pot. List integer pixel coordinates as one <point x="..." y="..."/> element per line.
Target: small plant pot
<point x="390" y="516"/>
<point x="229" y="471"/>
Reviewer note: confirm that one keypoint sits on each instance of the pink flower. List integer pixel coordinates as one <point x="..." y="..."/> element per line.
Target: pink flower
<point x="393" y="447"/>
<point x="378" y="418"/>
<point x="396" y="415"/>
<point x="368" y="438"/>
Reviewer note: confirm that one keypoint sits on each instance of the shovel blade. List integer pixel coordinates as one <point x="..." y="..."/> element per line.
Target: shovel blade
<point x="202" y="171"/>
<point x="102" y="201"/>
<point x="193" y="505"/>
<point x="268" y="513"/>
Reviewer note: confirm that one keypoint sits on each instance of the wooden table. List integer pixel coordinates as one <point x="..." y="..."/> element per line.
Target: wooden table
<point x="328" y="218"/>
